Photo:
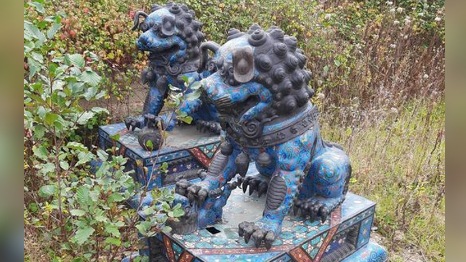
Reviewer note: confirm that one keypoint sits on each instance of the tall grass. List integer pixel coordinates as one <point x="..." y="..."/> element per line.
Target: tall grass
<point x="399" y="161"/>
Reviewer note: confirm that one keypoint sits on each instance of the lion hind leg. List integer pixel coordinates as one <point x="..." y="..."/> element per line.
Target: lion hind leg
<point x="326" y="184"/>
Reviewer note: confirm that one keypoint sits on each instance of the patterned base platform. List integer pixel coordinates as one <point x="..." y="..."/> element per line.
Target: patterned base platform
<point x="343" y="237"/>
<point x="186" y="150"/>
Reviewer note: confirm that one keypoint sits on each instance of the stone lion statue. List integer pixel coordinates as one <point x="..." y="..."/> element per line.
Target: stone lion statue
<point x="172" y="36"/>
<point x="260" y="91"/>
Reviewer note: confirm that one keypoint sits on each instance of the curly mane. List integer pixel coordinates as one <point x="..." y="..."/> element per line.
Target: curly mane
<point x="281" y="67"/>
<point x="188" y="27"/>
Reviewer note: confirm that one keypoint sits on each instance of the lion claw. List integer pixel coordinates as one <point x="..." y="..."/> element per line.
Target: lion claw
<point x="132" y="123"/>
<point x="255" y="184"/>
<point x="311" y="208"/>
<point x="249" y="231"/>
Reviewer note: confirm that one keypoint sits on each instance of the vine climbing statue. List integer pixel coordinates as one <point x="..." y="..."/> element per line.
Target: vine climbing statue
<point x="172" y="36"/>
<point x="260" y="91"/>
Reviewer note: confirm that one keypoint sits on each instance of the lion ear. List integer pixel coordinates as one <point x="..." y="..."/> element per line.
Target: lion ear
<point x="243" y="64"/>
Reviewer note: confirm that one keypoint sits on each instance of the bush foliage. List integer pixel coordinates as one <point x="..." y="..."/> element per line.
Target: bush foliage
<point x="379" y="75"/>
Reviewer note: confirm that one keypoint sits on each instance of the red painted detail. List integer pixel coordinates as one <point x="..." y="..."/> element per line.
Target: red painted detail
<point x="122" y="150"/>
<point x="300" y="255"/>
<point x="324" y="245"/>
<point x="169" y="248"/>
<point x="335" y="217"/>
<point x="185" y="257"/>
<point x="199" y="155"/>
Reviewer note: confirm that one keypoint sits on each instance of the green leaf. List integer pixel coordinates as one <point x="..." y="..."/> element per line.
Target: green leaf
<point x="326" y="68"/>
<point x="116" y="197"/>
<point x="186" y="119"/>
<point x="165" y="206"/>
<point x="149" y="145"/>
<point x="50" y="118"/>
<point x="32" y="30"/>
<point x="39" y="131"/>
<point x="113" y="230"/>
<point x="77" y="212"/>
<point x="77" y="146"/>
<point x="41" y="152"/>
<point x="64" y="165"/>
<point x="90" y="93"/>
<point x="53" y="30"/>
<point x="76" y="60"/>
<point x="83" y="196"/>
<point x="47" y="191"/>
<point x="164" y="167"/>
<point x="85" y="117"/>
<point x="39" y="7"/>
<point x="38" y="57"/>
<point x="173" y="88"/>
<point x="47" y="168"/>
<point x="84" y="157"/>
<point x="143" y="227"/>
<point x="178" y="212"/>
<point x="33" y="207"/>
<point x="196" y="85"/>
<point x="113" y="241"/>
<point x="102" y="155"/>
<point x="99" y="110"/>
<point x="115" y="137"/>
<point x="100" y="216"/>
<point x="90" y="77"/>
<point x="83" y="234"/>
<point x="193" y="95"/>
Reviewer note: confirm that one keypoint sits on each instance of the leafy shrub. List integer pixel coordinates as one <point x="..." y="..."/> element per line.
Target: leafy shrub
<point x="75" y="197"/>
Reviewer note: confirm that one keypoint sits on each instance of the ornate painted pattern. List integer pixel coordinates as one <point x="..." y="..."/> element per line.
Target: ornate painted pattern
<point x="365" y="231"/>
<point x="169" y="152"/>
<point x="209" y="150"/>
<point x="370" y="253"/>
<point x="312" y="247"/>
<point x="197" y="146"/>
<point x="300" y="240"/>
<point x="199" y="155"/>
<point x="356" y="219"/>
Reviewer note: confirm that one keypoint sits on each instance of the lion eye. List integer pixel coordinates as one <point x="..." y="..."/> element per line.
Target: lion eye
<point x="144" y="26"/>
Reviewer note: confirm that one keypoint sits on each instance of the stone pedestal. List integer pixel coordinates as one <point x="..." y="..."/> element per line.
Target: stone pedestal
<point x="186" y="151"/>
<point x="345" y="236"/>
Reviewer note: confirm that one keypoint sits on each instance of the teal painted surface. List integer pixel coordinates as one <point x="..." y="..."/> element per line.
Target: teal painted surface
<point x="373" y="252"/>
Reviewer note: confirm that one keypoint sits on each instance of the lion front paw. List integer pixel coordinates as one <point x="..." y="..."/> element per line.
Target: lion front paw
<point x="132" y="123"/>
<point x="259" y="232"/>
<point x="199" y="192"/>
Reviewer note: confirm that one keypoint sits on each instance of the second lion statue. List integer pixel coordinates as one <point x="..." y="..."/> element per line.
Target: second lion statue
<point x="260" y="91"/>
<point x="172" y="36"/>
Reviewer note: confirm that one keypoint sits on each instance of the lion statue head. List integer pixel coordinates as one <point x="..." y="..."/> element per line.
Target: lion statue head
<point x="170" y="33"/>
<point x="260" y="76"/>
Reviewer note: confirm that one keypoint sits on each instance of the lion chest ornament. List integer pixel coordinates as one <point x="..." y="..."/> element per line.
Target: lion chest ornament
<point x="260" y="91"/>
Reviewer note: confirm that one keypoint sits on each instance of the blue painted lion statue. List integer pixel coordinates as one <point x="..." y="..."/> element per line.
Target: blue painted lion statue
<point x="172" y="36"/>
<point x="261" y="94"/>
